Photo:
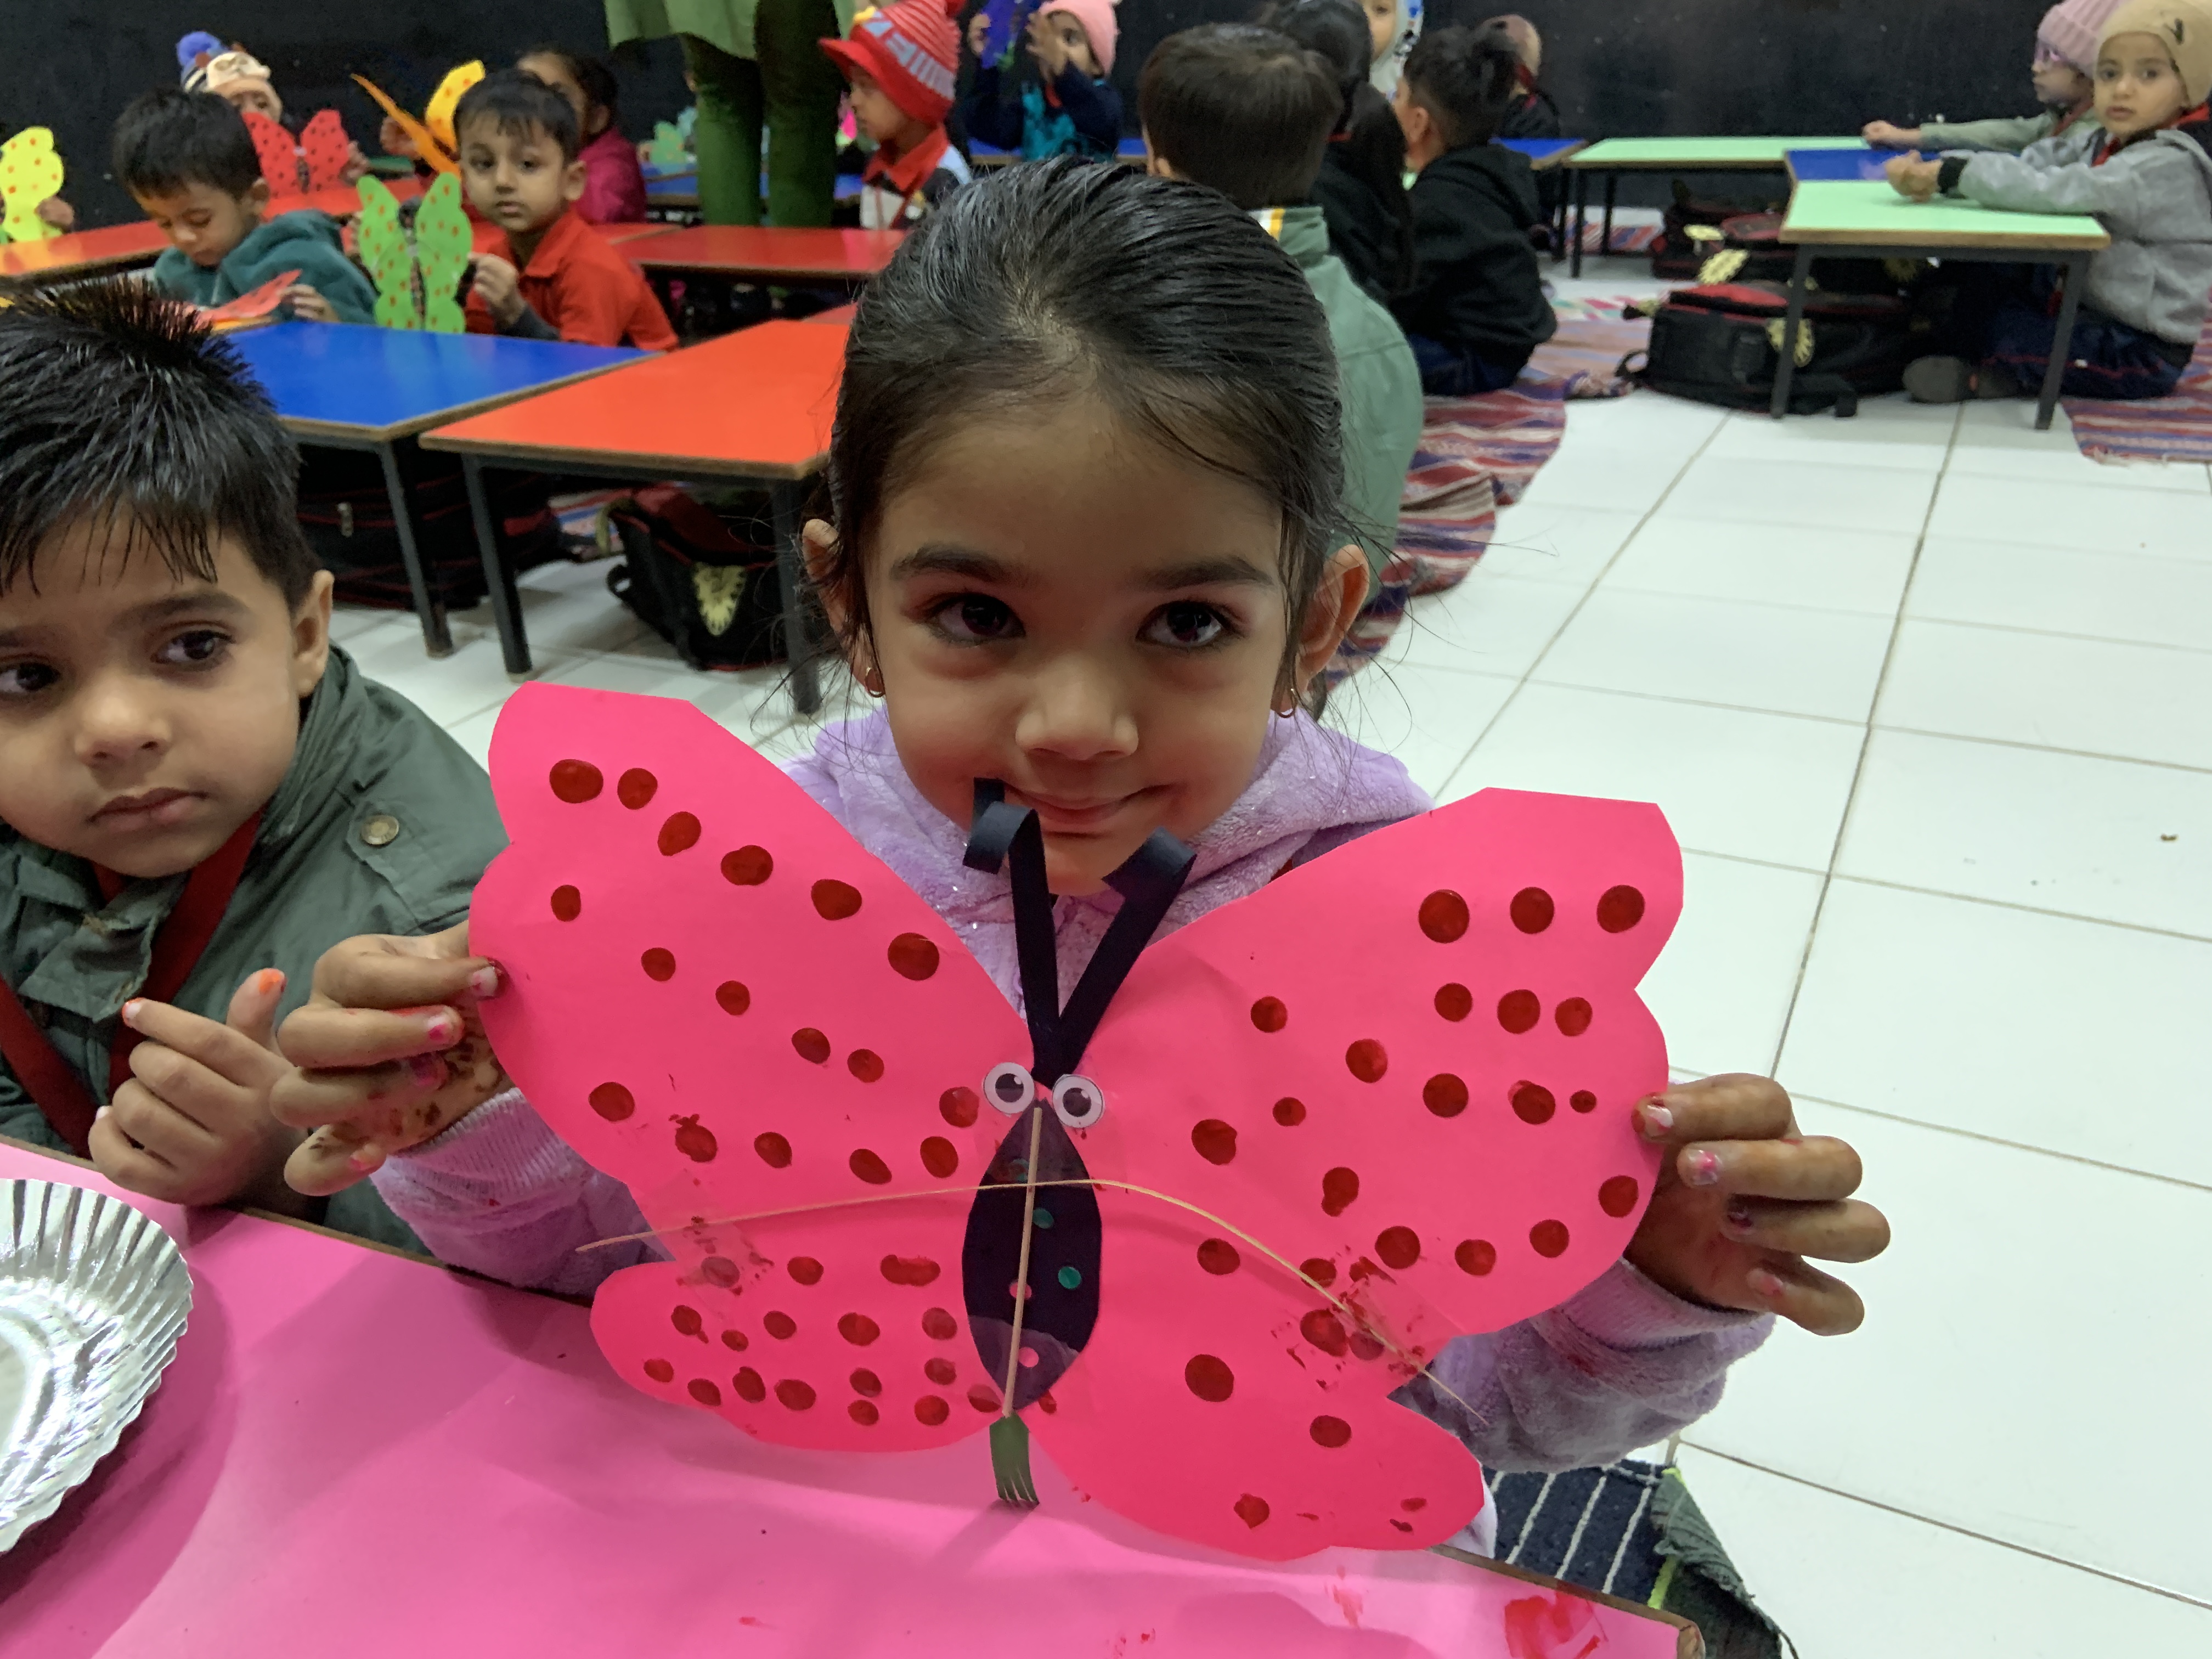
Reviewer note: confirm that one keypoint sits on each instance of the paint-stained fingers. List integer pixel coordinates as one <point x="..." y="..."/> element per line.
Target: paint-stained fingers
<point x="1815" y="1167"/>
<point x="1846" y="1231"/>
<point x="331" y="1160"/>
<point x="372" y="1100"/>
<point x="1735" y="1107"/>
<point x="1805" y="1295"/>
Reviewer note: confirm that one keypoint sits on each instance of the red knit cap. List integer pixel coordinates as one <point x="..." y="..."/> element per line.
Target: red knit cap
<point x="909" y="49"/>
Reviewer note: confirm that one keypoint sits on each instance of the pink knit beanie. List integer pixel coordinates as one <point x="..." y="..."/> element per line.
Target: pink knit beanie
<point x="2071" y="31"/>
<point x="1098" y="21"/>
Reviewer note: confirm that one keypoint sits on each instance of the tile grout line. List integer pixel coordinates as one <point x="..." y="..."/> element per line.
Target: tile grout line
<point x="2037" y="748"/>
<point x="2182" y="1596"/>
<point x="1866" y="743"/>
<point x="2015" y="1145"/>
<point x="2062" y="633"/>
<point x="2086" y="920"/>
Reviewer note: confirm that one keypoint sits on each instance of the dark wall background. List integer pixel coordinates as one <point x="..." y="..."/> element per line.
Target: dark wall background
<point x="1615" y="66"/>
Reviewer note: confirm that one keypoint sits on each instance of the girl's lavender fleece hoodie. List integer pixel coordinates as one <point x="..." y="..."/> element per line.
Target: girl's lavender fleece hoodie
<point x="1621" y="1365"/>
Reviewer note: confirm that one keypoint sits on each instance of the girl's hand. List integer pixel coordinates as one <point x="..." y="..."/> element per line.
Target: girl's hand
<point x="308" y="304"/>
<point x="979" y="32"/>
<point x="500" y="286"/>
<point x="1045" y="46"/>
<point x="394" y="139"/>
<point x="355" y="165"/>
<point x="389" y="1051"/>
<point x="57" y="212"/>
<point x="1883" y="136"/>
<point x="1912" y="177"/>
<point x="1742" y="1200"/>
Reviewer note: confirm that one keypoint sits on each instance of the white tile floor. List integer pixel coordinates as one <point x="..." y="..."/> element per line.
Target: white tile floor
<point x="1928" y="699"/>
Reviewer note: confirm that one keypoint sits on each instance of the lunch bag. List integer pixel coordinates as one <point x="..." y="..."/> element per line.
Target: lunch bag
<point x="703" y="577"/>
<point x="1748" y="247"/>
<point x="345" y="512"/>
<point x="1721" y="344"/>
<point x="1683" y="245"/>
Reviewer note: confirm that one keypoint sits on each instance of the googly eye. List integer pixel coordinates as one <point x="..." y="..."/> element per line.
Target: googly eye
<point x="1010" y="1088"/>
<point x="1078" y="1101"/>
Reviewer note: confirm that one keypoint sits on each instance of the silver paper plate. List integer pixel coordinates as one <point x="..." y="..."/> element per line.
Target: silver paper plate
<point x="93" y="1298"/>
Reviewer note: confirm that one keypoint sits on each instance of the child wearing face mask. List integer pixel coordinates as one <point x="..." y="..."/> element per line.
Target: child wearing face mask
<point x="1071" y="108"/>
<point x="1143" y="666"/>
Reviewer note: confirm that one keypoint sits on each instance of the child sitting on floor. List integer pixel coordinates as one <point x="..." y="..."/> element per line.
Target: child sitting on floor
<point x="1531" y="114"/>
<point x="540" y="271"/>
<point x="1475" y="308"/>
<point x="190" y="163"/>
<point x="1249" y="112"/>
<point x="242" y="81"/>
<point x="901" y="62"/>
<point x="2145" y="175"/>
<point x="1071" y="109"/>
<point x="614" y="183"/>
<point x="2065" y="54"/>
<point x="199" y="793"/>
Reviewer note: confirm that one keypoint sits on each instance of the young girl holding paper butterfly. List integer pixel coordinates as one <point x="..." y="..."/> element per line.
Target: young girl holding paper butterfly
<point x="1087" y="541"/>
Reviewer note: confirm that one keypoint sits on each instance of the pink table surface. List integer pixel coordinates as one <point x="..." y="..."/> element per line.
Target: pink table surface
<point x="357" y="1453"/>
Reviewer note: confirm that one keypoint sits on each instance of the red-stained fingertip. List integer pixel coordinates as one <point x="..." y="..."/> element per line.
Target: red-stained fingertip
<point x="1765" y="1285"/>
<point x="1653" y="1120"/>
<point x="131" y="1011"/>
<point x="487" y="981"/>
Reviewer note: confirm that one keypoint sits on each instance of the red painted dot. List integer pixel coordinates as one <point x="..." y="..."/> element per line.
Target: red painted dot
<point x="1326" y="1332"/>
<point x="804" y="1270"/>
<point x="1330" y="1432"/>
<point x="1573" y="1016"/>
<point x="1216" y="1141"/>
<point x="1398" y="1246"/>
<point x="1475" y="1255"/>
<point x="1289" y="1111"/>
<point x="958" y="1107"/>
<point x="1320" y="1269"/>
<point x="1339" y="1188"/>
<point x="567" y="904"/>
<point x="659" y="964"/>
<point x="1548" y="1238"/>
<point x="781" y="1325"/>
<point x="940" y="1157"/>
<point x="865" y="1064"/>
<point x="687" y="1321"/>
<point x="1454" y="1001"/>
<point x="1619" y="909"/>
<point x="1367" y="1060"/>
<point x="870" y="1168"/>
<point x="1268" y="1014"/>
<point x="1251" y="1510"/>
<point x="1445" y="1095"/>
<point x="704" y="1392"/>
<point x="696" y="1141"/>
<point x="938" y="1326"/>
<point x="865" y="1382"/>
<point x="863" y="1413"/>
<point x="858" y="1329"/>
<point x="679" y="832"/>
<point x="1047" y="1404"/>
<point x="795" y="1395"/>
<point x="1617" y="1197"/>
<point x="1396" y="1522"/>
<point x="736" y="1341"/>
<point x="612" y="1102"/>
<point x="834" y="901"/>
<point x="811" y="1045"/>
<point x="1532" y="1102"/>
<point x="983" y="1398"/>
<point x="774" y="1150"/>
<point x="915" y="1270"/>
<point x="1444" y="915"/>
<point x="1531" y="909"/>
<point x="659" y="1369"/>
<point x="1519" y="1011"/>
<point x="1583" y="1101"/>
<point x="1209" y="1378"/>
<point x="940" y="1371"/>
<point x="719" y="1270"/>
<point x="733" y="997"/>
<point x="1365" y="1344"/>
<point x="929" y="1411"/>
<point x="576" y="781"/>
<point x="635" y="786"/>
<point x="748" y="1385"/>
<point x="749" y="866"/>
<point x="1218" y="1255"/>
<point x="912" y="957"/>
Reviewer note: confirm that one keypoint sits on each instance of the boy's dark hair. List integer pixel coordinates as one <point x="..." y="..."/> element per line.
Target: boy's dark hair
<point x="1337" y="29"/>
<point x="1370" y="143"/>
<point x="1064" y="279"/>
<point x="166" y="139"/>
<point x="598" y="81"/>
<point x="516" y="103"/>
<point x="1240" y="108"/>
<point x="123" y="408"/>
<point x="1465" y="78"/>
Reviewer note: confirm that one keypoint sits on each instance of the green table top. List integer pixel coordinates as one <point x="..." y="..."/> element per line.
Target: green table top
<point x="1723" y="154"/>
<point x="1872" y="215"/>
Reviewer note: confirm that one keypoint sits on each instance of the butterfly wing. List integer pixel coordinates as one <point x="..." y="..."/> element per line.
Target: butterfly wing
<point x="250" y="307"/>
<point x="438" y="114"/>
<point x="326" y="148"/>
<point x="442" y="248"/>
<point x="280" y="157"/>
<point x="30" y="173"/>
<point x="380" y="240"/>
<point x="720" y="999"/>
<point x="1407" y="1067"/>
<point x="427" y="146"/>
<point x="667" y="144"/>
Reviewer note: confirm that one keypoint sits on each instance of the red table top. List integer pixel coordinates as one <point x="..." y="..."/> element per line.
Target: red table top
<point x="765" y="251"/>
<point x="82" y="250"/>
<point x="630" y="233"/>
<point x="757" y="403"/>
<point x="342" y="201"/>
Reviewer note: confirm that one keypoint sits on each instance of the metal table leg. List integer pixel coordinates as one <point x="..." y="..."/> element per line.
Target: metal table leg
<point x="1786" y="370"/>
<point x="499" y="580"/>
<point x="1582" y="218"/>
<point x="437" y="638"/>
<point x="2076" y="270"/>
<point x="1605" y="242"/>
<point x="791" y="566"/>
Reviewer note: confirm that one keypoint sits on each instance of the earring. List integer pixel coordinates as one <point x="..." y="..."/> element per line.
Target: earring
<point x="872" y="680"/>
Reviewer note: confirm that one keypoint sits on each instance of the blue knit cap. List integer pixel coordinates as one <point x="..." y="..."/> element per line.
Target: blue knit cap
<point x="189" y="49"/>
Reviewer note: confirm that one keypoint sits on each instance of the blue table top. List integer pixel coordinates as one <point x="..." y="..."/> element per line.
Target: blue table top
<point x="673" y="184"/>
<point x="1132" y="149"/>
<point x="343" y="379"/>
<point x="1832" y="166"/>
<point x="1538" y="149"/>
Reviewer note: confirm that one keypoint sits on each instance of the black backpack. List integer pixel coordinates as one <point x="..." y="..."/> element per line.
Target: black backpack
<point x="1748" y="247"/>
<point x="703" y="577"/>
<point x="1721" y="343"/>
<point x="345" y="512"/>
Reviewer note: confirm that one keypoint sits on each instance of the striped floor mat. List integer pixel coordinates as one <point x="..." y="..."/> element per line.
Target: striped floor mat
<point x="2175" y="429"/>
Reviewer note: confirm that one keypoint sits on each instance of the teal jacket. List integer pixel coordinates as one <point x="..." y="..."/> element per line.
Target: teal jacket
<point x="1377" y="382"/>
<point x="305" y="241"/>
<point x="381" y="825"/>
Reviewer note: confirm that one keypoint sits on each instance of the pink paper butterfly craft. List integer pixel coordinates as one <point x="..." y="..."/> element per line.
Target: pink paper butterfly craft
<point x="1317" y="1133"/>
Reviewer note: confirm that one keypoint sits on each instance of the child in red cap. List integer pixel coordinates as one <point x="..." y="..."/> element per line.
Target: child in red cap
<point x="901" y="61"/>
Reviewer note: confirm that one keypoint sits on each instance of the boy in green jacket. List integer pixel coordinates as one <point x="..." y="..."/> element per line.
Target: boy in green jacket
<point x="1248" y="112"/>
<point x="199" y="793"/>
<point x="189" y="160"/>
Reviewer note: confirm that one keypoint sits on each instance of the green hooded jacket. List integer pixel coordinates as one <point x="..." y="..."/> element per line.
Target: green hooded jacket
<point x="381" y="825"/>
<point x="306" y="241"/>
<point x="1377" y="381"/>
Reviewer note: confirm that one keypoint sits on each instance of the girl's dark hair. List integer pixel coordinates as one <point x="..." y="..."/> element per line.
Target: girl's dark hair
<point x="1061" y="279"/>
<point x="598" y="81"/>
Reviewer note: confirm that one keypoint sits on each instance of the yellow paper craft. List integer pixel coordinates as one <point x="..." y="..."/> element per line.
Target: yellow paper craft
<point x="30" y="173"/>
<point x="434" y="134"/>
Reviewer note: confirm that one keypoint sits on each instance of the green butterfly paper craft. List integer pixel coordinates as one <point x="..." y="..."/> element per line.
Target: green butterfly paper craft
<point x="30" y="172"/>
<point x="417" y="267"/>
<point x="672" y="140"/>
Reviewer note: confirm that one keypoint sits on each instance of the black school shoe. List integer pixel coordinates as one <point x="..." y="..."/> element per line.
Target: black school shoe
<point x="1955" y="380"/>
